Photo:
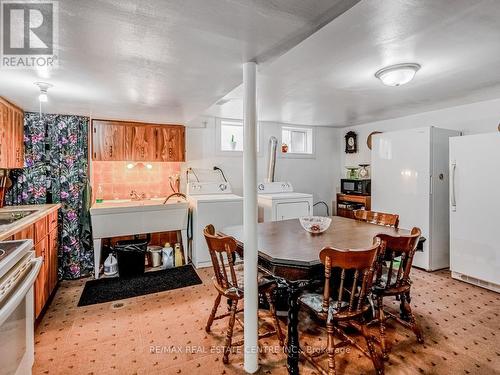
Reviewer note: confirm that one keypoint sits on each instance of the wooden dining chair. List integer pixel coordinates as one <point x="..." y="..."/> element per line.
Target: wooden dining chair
<point x="228" y="280"/>
<point x="393" y="279"/>
<point x="344" y="302"/>
<point x="379" y="218"/>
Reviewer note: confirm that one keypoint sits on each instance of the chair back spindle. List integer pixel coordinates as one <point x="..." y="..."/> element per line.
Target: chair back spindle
<point x="396" y="272"/>
<point x="350" y="299"/>
<point x="222" y="253"/>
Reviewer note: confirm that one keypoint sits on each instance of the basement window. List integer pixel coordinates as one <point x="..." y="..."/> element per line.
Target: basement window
<point x="230" y="135"/>
<point x="298" y="141"/>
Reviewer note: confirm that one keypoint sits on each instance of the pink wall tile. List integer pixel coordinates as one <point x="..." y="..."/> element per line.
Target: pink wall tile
<point x="117" y="180"/>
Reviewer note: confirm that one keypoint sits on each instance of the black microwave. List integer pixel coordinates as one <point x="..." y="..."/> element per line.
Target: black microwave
<point x="356" y="187"/>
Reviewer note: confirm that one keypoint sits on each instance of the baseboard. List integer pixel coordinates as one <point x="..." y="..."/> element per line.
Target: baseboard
<point x="478" y="282"/>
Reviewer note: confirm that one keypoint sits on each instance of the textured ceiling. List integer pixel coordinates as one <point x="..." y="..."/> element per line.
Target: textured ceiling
<point x="163" y="61"/>
<point x="328" y="79"/>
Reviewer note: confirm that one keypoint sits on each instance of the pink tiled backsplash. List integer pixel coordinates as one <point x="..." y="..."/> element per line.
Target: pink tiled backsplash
<point x="117" y="180"/>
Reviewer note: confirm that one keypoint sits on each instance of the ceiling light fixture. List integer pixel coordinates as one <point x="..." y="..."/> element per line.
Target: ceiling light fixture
<point x="44" y="87"/>
<point x="397" y="75"/>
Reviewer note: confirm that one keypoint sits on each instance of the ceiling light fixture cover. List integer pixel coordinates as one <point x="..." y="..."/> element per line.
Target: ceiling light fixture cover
<point x="397" y="75"/>
<point x="44" y="87"/>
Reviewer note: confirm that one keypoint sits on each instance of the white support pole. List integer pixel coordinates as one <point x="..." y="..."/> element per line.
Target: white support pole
<point x="250" y="217"/>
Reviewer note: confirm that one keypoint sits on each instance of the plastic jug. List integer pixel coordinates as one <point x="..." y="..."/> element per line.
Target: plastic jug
<point x="110" y="265"/>
<point x="167" y="256"/>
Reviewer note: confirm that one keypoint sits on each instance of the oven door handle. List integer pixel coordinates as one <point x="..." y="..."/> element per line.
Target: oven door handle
<point x="17" y="295"/>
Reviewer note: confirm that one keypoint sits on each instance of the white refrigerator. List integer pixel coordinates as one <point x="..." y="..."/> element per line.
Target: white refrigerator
<point x="410" y="177"/>
<point x="475" y="209"/>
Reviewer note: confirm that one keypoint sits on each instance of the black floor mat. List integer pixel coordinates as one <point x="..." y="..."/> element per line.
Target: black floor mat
<point x="112" y="289"/>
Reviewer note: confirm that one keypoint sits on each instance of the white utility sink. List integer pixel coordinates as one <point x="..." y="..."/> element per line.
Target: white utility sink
<point x="123" y="217"/>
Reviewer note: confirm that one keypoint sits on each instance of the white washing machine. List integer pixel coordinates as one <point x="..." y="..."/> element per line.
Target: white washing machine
<point x="211" y="203"/>
<point x="277" y="201"/>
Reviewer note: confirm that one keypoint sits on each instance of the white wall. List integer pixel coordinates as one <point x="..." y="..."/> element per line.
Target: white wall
<point x="482" y="117"/>
<point x="317" y="176"/>
<point x="321" y="175"/>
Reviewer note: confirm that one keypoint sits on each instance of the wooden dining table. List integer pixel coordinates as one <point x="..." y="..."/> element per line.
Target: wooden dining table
<point x="291" y="254"/>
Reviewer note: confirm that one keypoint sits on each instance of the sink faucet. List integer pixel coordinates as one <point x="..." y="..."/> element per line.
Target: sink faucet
<point x="136" y="196"/>
<point x="180" y="195"/>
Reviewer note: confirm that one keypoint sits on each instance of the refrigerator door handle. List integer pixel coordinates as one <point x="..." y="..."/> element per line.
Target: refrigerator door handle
<point x="452" y="181"/>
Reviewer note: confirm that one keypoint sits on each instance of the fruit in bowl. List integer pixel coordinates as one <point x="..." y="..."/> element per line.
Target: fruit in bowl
<point x="315" y="224"/>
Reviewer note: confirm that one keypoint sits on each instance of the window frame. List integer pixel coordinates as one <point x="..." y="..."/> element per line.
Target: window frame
<point x="219" y="121"/>
<point x="309" y="131"/>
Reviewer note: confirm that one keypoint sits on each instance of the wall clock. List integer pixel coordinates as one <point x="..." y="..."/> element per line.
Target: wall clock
<point x="351" y="143"/>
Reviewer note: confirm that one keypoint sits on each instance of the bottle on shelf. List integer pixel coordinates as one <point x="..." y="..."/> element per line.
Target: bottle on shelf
<point x="99" y="198"/>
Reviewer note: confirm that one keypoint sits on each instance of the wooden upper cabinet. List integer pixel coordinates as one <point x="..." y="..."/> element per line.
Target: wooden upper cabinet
<point x="140" y="141"/>
<point x="170" y="143"/>
<point x="108" y="141"/>
<point x="134" y="141"/>
<point x="4" y="135"/>
<point x="11" y="135"/>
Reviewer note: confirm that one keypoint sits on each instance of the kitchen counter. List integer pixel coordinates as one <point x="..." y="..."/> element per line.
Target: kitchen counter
<point x="41" y="210"/>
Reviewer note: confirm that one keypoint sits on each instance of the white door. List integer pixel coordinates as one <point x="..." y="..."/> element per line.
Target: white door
<point x="475" y="207"/>
<point x="401" y="180"/>
<point x="292" y="210"/>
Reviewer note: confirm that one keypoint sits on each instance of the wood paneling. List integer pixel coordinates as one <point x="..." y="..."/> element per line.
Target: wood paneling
<point x="170" y="143"/>
<point x="52" y="220"/>
<point x="11" y="135"/>
<point x="134" y="141"/>
<point x="26" y="233"/>
<point x="140" y="141"/>
<point x="44" y="234"/>
<point x="4" y="130"/>
<point x="108" y="141"/>
<point x="53" y="260"/>
<point x="41" y="283"/>
<point x="41" y="230"/>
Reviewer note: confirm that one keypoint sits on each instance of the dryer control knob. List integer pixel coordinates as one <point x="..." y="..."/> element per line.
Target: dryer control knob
<point x="261" y="187"/>
<point x="222" y="187"/>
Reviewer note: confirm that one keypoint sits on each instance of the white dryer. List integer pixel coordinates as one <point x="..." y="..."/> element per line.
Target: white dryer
<point x="277" y="201"/>
<point x="210" y="203"/>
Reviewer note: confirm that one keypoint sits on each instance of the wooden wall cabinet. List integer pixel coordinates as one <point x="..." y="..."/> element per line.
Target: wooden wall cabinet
<point x="170" y="143"/>
<point x="108" y="141"/>
<point x="11" y="135"/>
<point x="134" y="141"/>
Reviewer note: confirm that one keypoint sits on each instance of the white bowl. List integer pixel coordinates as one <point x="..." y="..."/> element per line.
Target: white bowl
<point x="315" y="224"/>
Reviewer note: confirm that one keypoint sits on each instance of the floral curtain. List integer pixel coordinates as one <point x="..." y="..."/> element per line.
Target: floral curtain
<point x="56" y="172"/>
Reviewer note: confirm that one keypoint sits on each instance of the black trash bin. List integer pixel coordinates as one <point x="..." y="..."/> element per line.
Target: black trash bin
<point x="131" y="255"/>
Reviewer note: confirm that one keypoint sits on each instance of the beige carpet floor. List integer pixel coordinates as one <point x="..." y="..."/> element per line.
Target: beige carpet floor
<point x="163" y="333"/>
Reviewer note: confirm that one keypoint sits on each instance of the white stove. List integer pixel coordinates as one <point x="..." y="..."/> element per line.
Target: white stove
<point x="277" y="201"/>
<point x="18" y="271"/>
<point x="210" y="203"/>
